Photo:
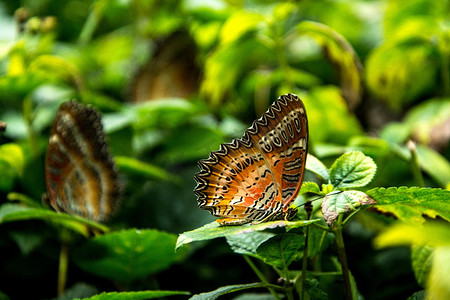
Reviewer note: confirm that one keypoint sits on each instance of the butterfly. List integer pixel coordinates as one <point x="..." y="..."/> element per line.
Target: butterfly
<point x="255" y="178"/>
<point x="81" y="176"/>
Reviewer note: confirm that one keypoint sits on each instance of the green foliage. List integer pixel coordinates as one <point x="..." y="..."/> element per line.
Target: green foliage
<point x="352" y="170"/>
<point x="127" y="255"/>
<point x="226" y="290"/>
<point x="391" y="131"/>
<point x="411" y="204"/>
<point x="135" y="295"/>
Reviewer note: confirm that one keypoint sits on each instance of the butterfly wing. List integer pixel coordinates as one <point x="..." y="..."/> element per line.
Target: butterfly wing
<point x="243" y="182"/>
<point x="281" y="134"/>
<point x="81" y="176"/>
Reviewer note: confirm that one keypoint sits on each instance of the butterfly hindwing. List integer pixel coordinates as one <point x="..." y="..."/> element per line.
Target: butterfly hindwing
<point x="81" y="176"/>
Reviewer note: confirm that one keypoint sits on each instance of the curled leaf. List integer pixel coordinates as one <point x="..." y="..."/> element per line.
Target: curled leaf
<point x="337" y="203"/>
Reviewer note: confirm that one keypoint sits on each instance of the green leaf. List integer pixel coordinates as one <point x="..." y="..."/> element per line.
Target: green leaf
<point x="226" y="290"/>
<point x="433" y="234"/>
<point x="421" y="257"/>
<point x="141" y="295"/>
<point x="342" y="55"/>
<point x="438" y="285"/>
<point x="390" y="66"/>
<point x="281" y="250"/>
<point x="410" y="204"/>
<point x="135" y="166"/>
<point x="14" y="212"/>
<point x="317" y="167"/>
<point x="434" y="164"/>
<point x="420" y="295"/>
<point x="11" y="165"/>
<point x="127" y="255"/>
<point x="431" y="115"/>
<point x="352" y="169"/>
<point x="337" y="203"/>
<point x="249" y="242"/>
<point x="238" y="25"/>
<point x="323" y="121"/>
<point x="309" y="187"/>
<point x="214" y="230"/>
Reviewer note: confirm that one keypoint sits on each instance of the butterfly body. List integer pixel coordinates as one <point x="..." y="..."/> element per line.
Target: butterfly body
<point x="81" y="176"/>
<point x="256" y="178"/>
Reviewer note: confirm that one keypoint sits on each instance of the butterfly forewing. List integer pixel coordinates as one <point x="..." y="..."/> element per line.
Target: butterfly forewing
<point x="255" y="178"/>
<point x="81" y="176"/>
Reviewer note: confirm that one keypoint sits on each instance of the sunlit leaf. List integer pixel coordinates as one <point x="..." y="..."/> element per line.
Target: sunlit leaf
<point x="239" y="24"/>
<point x="328" y="125"/>
<point x="12" y="161"/>
<point x="352" y="169"/>
<point x="309" y="187"/>
<point x="434" y="164"/>
<point x="226" y="290"/>
<point x="337" y="203"/>
<point x="438" y="287"/>
<point x="411" y="204"/>
<point x="317" y="167"/>
<point x="428" y="120"/>
<point x="127" y="255"/>
<point x="141" y="295"/>
<point x="389" y="70"/>
<point x="341" y="54"/>
<point x="214" y="230"/>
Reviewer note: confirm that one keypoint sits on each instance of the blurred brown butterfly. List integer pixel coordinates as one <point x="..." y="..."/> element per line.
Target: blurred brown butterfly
<point x="81" y="176"/>
<point x="257" y="177"/>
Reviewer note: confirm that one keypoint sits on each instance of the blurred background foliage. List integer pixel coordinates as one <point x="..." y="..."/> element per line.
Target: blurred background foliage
<point x="174" y="79"/>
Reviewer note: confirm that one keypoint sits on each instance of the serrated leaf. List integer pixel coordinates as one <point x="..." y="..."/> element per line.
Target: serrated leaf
<point x="226" y="290"/>
<point x="214" y="230"/>
<point x="337" y="203"/>
<point x="127" y="255"/>
<point x="341" y="54"/>
<point x="421" y="257"/>
<point x="14" y="212"/>
<point x="352" y="169"/>
<point x="281" y="250"/>
<point x="248" y="243"/>
<point x="317" y="167"/>
<point x="141" y="295"/>
<point x="309" y="187"/>
<point x="410" y="204"/>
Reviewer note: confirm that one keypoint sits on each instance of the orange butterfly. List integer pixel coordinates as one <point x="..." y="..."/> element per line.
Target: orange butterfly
<point x="257" y="177"/>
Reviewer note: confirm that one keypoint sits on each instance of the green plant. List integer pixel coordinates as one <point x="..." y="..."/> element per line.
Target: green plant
<point x="281" y="244"/>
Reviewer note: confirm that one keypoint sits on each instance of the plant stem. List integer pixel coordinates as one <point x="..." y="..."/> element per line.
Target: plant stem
<point x="260" y="276"/>
<point x="308" y="208"/>
<point x="343" y="259"/>
<point x="63" y="266"/>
